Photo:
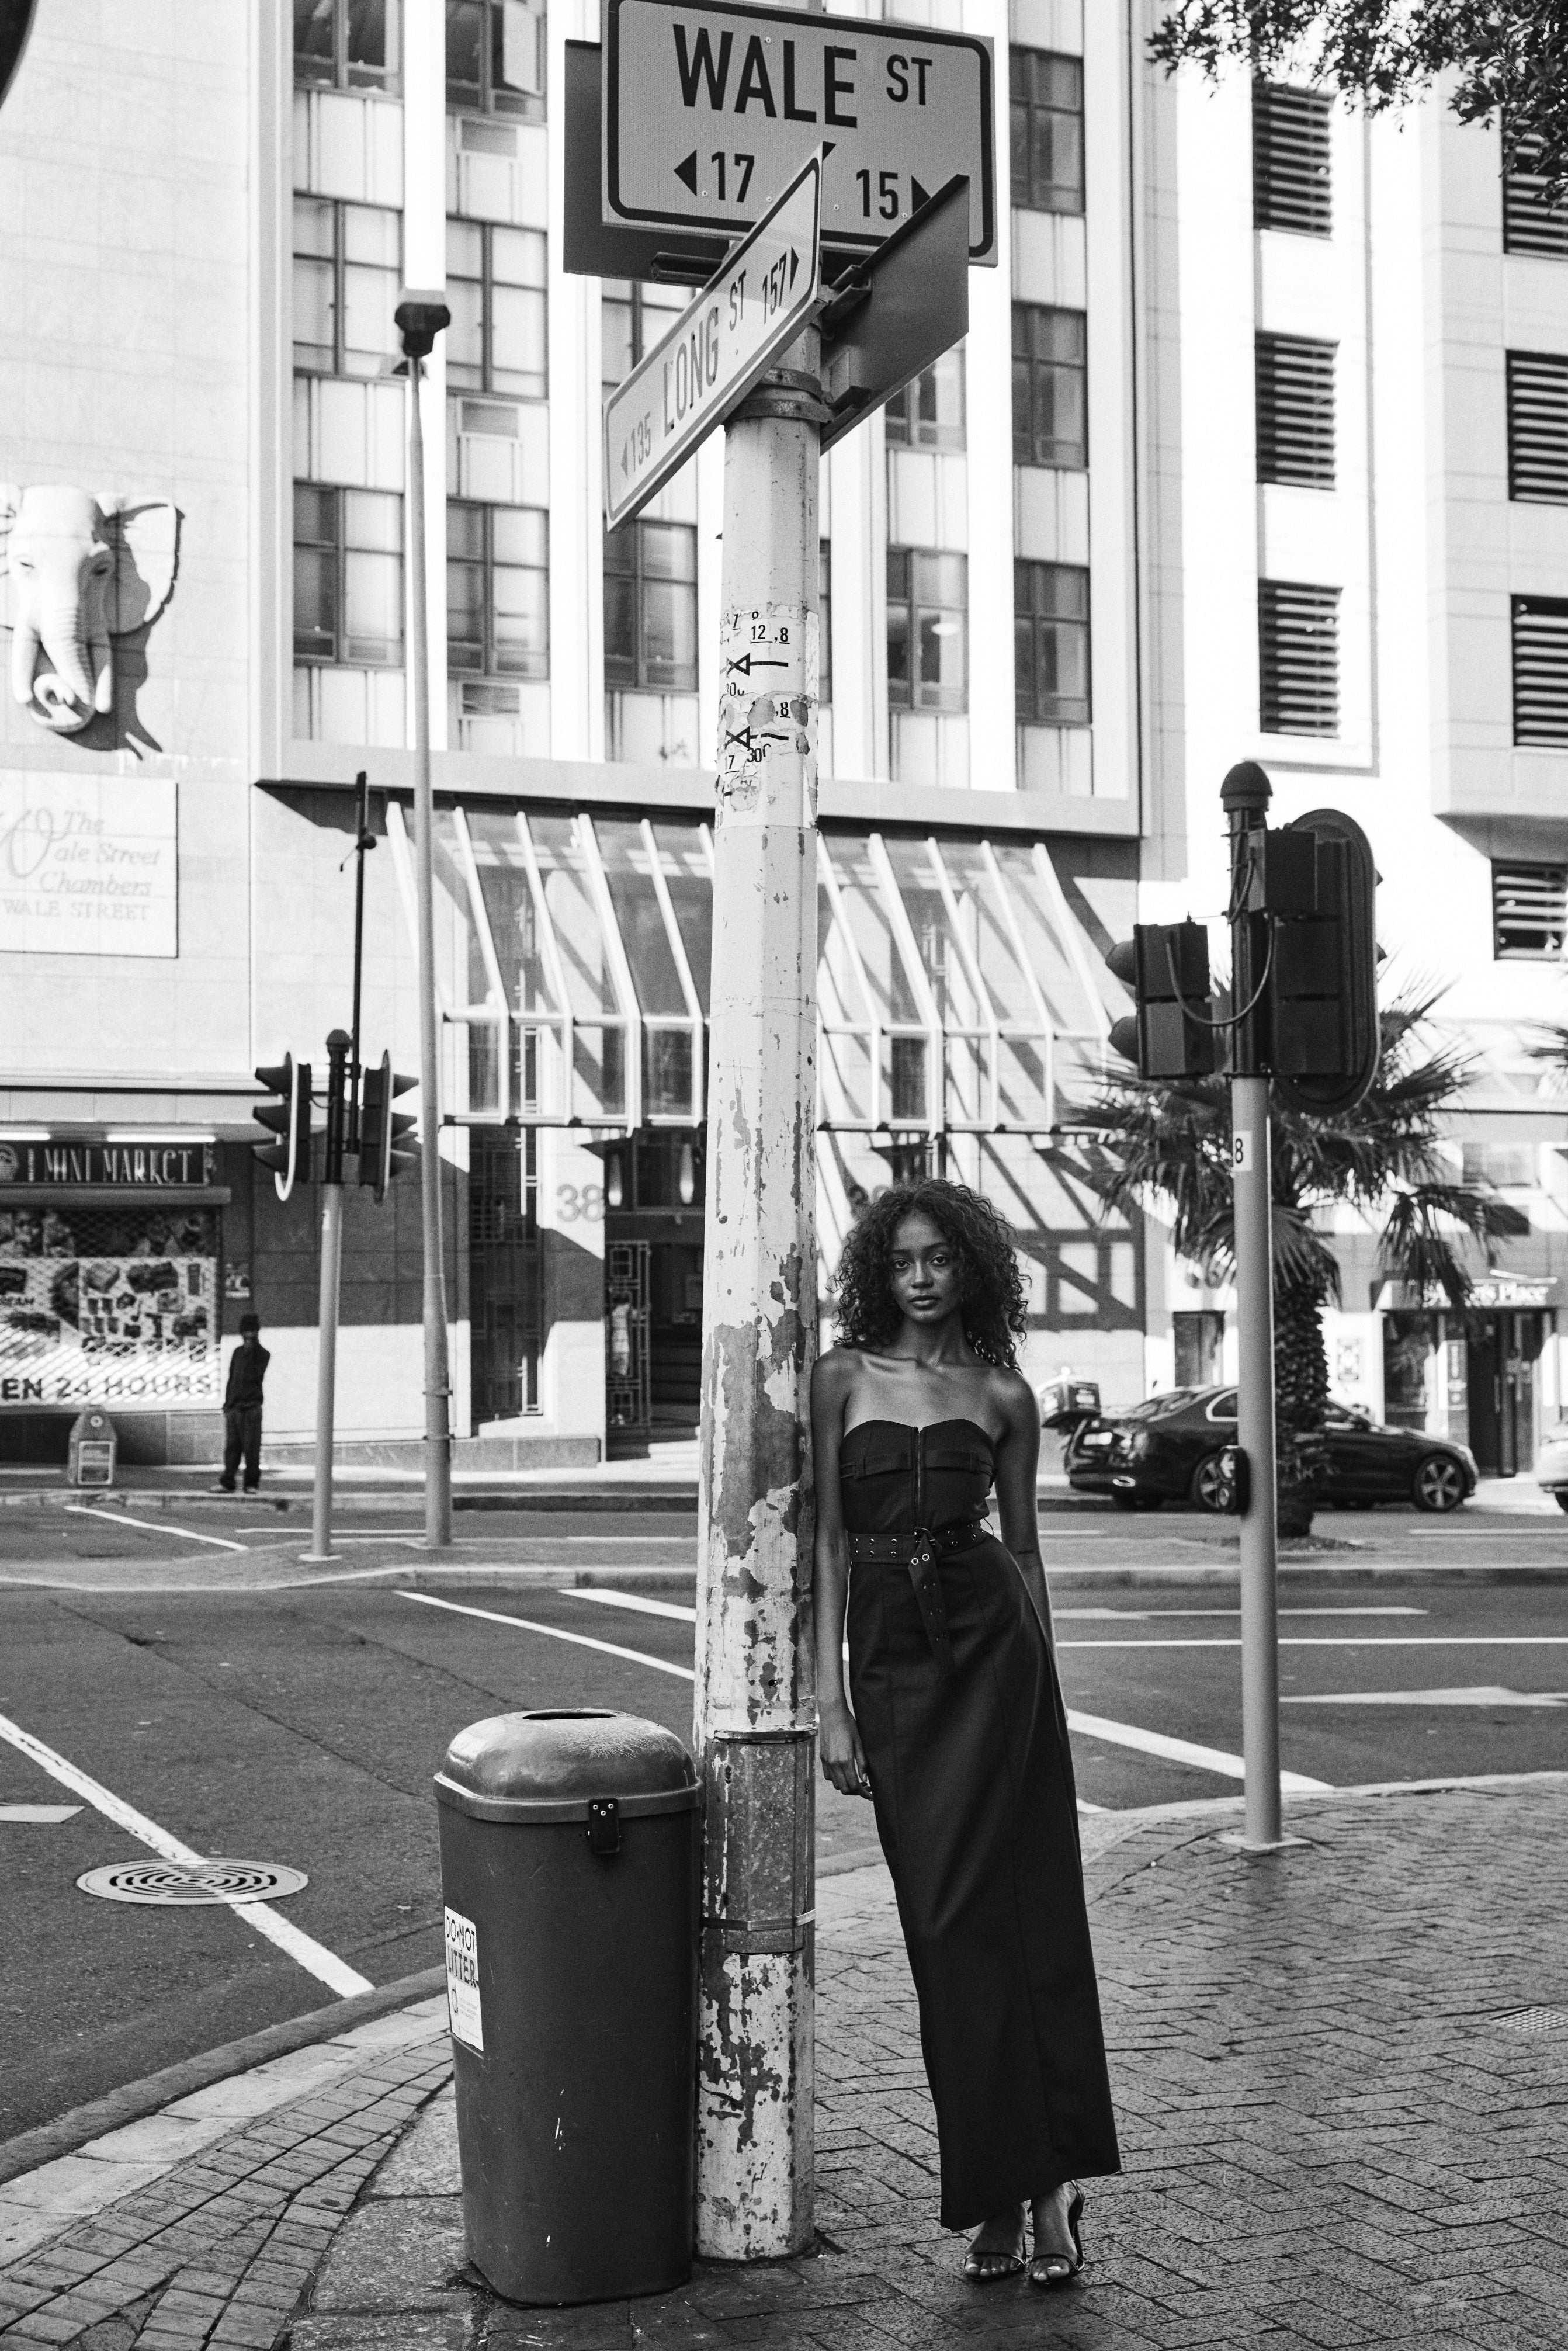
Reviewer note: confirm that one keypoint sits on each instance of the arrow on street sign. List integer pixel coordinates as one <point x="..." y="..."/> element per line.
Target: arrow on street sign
<point x="710" y="106"/>
<point x="711" y="358"/>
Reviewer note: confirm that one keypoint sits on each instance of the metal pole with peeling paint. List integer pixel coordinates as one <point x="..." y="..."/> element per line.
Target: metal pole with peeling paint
<point x="756" y="1717"/>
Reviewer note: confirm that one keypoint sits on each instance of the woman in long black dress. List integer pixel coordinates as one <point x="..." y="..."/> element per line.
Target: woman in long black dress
<point x="958" y="1734"/>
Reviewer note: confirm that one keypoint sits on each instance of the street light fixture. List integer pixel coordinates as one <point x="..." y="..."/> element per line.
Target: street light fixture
<point x="421" y="314"/>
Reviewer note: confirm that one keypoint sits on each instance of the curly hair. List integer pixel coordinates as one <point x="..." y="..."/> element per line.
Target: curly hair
<point x="993" y="1294"/>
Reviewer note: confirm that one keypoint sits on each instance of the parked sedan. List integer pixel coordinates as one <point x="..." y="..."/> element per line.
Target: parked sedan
<point x="1174" y="1447"/>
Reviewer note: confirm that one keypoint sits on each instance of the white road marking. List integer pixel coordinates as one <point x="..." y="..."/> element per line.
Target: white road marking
<point x="150" y="1526"/>
<point x="39" y="1815"/>
<point x="1142" y="1616"/>
<point x="637" y="1600"/>
<point x="314" y="1956"/>
<point x="553" y="1633"/>
<point x="1346" y="1641"/>
<point x="1182" y="1751"/>
<point x="1493" y="1696"/>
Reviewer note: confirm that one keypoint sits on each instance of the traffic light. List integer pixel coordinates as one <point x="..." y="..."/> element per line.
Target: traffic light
<point x="1165" y="964"/>
<point x="289" y="1119"/>
<point x="382" y="1128"/>
<point x="1324" y="1037"/>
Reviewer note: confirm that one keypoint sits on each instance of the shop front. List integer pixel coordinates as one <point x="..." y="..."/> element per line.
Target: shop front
<point x="1488" y="1377"/>
<point x="110" y="1244"/>
<point x="961" y="1006"/>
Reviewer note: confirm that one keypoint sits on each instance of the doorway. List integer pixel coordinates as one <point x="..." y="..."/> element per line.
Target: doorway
<point x="653" y="1286"/>
<point x="1503" y="1352"/>
<point x="1199" y="1348"/>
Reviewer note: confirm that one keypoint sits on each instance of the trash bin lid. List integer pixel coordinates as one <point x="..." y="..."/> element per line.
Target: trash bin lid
<point x="546" y="1766"/>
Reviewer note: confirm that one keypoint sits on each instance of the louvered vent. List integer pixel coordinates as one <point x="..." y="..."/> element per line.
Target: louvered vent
<point x="1298" y="651"/>
<point x="1531" y="225"/>
<point x="1539" y="669"/>
<point x="1290" y="160"/>
<point x="1529" y="912"/>
<point x="1295" y="411"/>
<point x="1538" y="427"/>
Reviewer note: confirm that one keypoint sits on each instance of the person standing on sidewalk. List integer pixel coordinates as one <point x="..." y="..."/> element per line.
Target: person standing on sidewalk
<point x="242" y="1407"/>
<point x="958" y="1733"/>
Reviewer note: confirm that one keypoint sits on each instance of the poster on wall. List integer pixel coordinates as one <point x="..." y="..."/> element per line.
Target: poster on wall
<point x="88" y="864"/>
<point x="109" y="1306"/>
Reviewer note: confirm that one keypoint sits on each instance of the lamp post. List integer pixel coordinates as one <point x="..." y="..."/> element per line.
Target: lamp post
<point x="421" y="315"/>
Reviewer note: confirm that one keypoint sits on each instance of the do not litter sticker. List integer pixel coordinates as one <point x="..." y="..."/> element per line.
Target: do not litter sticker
<point x="463" y="1981"/>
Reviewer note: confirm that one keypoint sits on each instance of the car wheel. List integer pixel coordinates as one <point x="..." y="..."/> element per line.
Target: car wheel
<point x="1212" y="1489"/>
<point x="1439" y="1484"/>
<point x="1561" y="1498"/>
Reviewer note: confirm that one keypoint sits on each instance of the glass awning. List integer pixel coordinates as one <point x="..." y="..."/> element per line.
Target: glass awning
<point x="956" y="988"/>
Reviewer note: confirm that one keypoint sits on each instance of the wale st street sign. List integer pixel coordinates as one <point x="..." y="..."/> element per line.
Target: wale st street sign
<point x="710" y="108"/>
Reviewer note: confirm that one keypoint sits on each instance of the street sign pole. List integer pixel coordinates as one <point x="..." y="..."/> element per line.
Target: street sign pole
<point x="1246" y="796"/>
<point x="755" y="1727"/>
<point x="321" y="1552"/>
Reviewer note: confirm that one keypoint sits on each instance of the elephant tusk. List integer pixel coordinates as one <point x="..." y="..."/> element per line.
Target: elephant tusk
<point x="101" y="667"/>
<point x="23" y="660"/>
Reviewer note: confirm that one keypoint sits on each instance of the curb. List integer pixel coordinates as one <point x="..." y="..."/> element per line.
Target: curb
<point x="136" y="2100"/>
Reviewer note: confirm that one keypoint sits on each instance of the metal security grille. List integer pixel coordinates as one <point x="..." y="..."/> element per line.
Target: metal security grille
<point x="1539" y="669"/>
<point x="1291" y="185"/>
<point x="1298" y="658"/>
<point x="1530" y="224"/>
<point x="1529" y="912"/>
<point x="1295" y="411"/>
<point x="1538" y="427"/>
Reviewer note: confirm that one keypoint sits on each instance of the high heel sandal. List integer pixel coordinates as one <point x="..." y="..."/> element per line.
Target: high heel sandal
<point x="1011" y="2264"/>
<point x="1043" y="2270"/>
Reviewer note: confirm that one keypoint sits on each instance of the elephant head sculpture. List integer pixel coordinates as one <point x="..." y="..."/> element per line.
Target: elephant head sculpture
<point x="80" y="571"/>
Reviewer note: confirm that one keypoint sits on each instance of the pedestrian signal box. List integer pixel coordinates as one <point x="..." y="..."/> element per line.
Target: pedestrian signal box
<point x="384" y="1155"/>
<point x="1171" y="1034"/>
<point x="1324" y="1036"/>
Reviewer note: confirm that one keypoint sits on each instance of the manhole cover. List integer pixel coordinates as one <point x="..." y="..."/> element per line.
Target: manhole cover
<point x="195" y="1881"/>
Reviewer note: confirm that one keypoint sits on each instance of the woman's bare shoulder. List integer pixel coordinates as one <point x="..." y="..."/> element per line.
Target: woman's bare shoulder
<point x="1012" y="1394"/>
<point x="835" y="1374"/>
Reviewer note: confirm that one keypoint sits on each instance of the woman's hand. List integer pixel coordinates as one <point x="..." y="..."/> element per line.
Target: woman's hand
<point x="843" y="1756"/>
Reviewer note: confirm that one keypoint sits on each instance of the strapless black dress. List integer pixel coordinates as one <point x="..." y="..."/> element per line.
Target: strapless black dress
<point x="972" y="1781"/>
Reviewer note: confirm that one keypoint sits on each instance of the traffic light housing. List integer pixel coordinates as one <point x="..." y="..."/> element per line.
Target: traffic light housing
<point x="1165" y="966"/>
<point x="290" y="1120"/>
<point x="382" y="1154"/>
<point x="1324" y="1035"/>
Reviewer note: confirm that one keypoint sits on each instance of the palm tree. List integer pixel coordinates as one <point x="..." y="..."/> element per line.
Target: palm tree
<point x="1171" y="1139"/>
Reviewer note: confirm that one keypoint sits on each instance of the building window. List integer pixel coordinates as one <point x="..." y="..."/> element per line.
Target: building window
<point x="1539" y="669"/>
<point x="1047" y="131"/>
<point x="348" y="267"/>
<point x="928" y="631"/>
<point x="650" y="608"/>
<point x="1051" y="406"/>
<point x="1291" y="184"/>
<point x="495" y="57"/>
<point x="824" y="621"/>
<point x="1298" y="647"/>
<point x="632" y="319"/>
<point x="348" y="577"/>
<point x="497" y="340"/>
<point x="1530" y="224"/>
<point x="928" y="413"/>
<point x="1529" y="914"/>
<point x="498" y="590"/>
<point x="347" y="45"/>
<point x="1051" y="633"/>
<point x="1295" y="411"/>
<point x="1538" y="427"/>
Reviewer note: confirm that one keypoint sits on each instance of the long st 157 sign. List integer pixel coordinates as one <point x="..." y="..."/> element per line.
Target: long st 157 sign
<point x="710" y="108"/>
<point x="708" y="362"/>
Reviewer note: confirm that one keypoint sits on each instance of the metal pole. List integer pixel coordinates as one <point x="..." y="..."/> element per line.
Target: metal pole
<point x="320" y="1550"/>
<point x="363" y="839"/>
<point x="755" y="1726"/>
<point x="1246" y="795"/>
<point x="437" y="1397"/>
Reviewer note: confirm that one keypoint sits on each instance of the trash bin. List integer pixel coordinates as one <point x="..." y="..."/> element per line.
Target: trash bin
<point x="90" y="1449"/>
<point x="569" y="1872"/>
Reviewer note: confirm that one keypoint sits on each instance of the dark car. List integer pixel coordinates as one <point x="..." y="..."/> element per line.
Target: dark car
<point x="1173" y="1448"/>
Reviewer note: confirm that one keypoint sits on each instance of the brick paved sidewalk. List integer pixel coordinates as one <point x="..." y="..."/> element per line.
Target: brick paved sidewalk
<point x="1335" y="2133"/>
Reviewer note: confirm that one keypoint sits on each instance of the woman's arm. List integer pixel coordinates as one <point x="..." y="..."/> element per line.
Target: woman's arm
<point x="1018" y="1466"/>
<point x="844" y="1758"/>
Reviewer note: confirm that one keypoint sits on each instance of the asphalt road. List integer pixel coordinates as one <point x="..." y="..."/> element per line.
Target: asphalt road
<point x="251" y="1710"/>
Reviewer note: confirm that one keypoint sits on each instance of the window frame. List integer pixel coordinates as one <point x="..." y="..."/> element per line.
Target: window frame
<point x="1068" y="457"/>
<point x="339" y="208"/>
<point x="636" y="301"/>
<point x="905" y="428"/>
<point x="338" y="548"/>
<point x="636" y="535"/>
<point x="1268" y="376"/>
<point x="919" y="608"/>
<point x="1271" y="593"/>
<point x="490" y="671"/>
<point x="1515" y="365"/>
<point x="1071" y="710"/>
<point x="1025" y="106"/>
<point x="388" y="80"/>
<point x="1266" y="96"/>
<point x="1524" y="868"/>
<point x="530" y="106"/>
<point x="487" y="283"/>
<point x="1523" y="607"/>
<point x="1531" y="226"/>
